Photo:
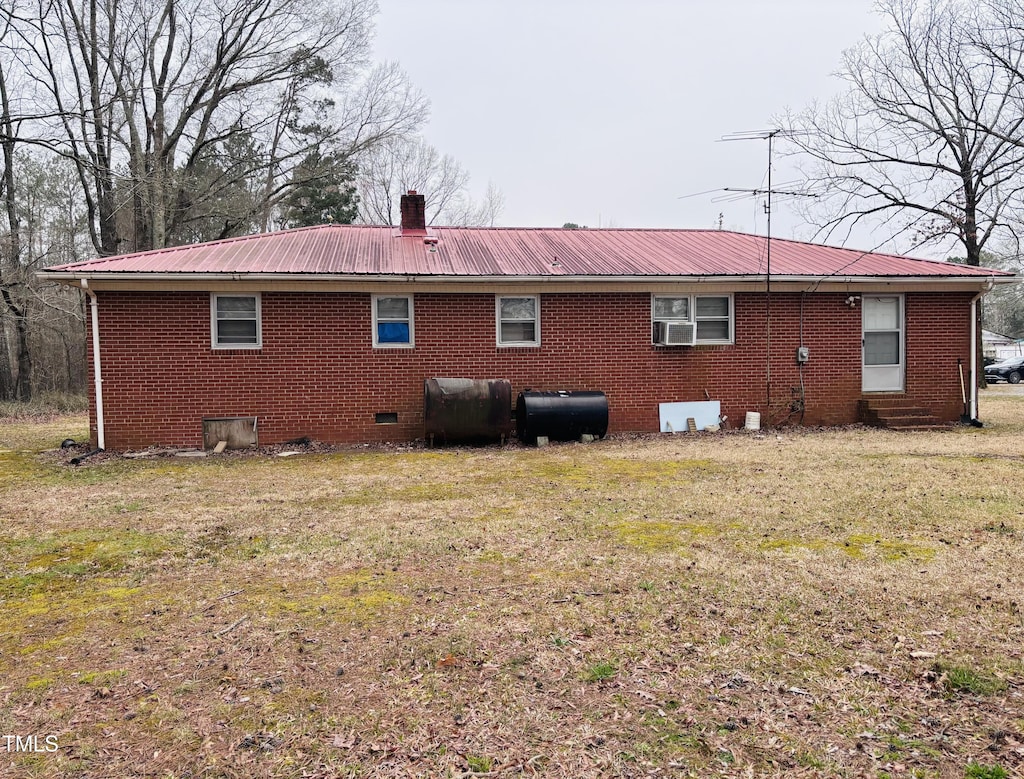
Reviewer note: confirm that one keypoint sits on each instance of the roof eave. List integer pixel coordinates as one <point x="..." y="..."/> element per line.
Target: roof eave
<point x="74" y="276"/>
<point x="976" y="278"/>
<point x="78" y="276"/>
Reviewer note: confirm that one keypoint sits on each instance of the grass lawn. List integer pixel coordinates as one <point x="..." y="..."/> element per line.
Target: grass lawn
<point x="825" y="603"/>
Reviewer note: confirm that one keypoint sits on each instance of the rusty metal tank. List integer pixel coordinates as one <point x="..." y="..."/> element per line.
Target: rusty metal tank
<point x="561" y="415"/>
<point x="467" y="411"/>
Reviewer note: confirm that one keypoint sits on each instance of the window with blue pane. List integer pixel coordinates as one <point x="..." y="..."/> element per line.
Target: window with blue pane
<point x="392" y="320"/>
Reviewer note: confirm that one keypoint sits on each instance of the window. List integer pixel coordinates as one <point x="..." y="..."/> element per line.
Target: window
<point x="392" y="321"/>
<point x="518" y="321"/>
<point x="711" y="314"/>
<point x="235" y="321"/>
<point x="714" y="323"/>
<point x="672" y="309"/>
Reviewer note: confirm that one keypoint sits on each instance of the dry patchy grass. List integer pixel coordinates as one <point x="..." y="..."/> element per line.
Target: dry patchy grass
<point x="798" y="603"/>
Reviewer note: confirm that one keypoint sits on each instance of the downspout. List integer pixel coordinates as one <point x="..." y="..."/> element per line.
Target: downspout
<point x="974" y="347"/>
<point x="97" y="375"/>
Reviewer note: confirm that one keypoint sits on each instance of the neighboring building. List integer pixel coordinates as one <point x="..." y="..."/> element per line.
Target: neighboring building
<point x="1001" y="347"/>
<point x="329" y="332"/>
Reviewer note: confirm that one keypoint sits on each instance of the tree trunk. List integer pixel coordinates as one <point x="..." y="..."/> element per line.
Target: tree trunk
<point x="23" y="387"/>
<point x="10" y="260"/>
<point x="23" y="380"/>
<point x="973" y="248"/>
<point x="6" y="377"/>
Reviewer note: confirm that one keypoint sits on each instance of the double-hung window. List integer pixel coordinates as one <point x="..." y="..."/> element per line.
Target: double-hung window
<point x="711" y="315"/>
<point x="235" y="321"/>
<point x="518" y="320"/>
<point x="392" y="321"/>
<point x="672" y="309"/>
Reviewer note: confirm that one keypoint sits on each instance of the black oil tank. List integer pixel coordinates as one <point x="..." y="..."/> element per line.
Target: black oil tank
<point x="561" y="415"/>
<point x="457" y="411"/>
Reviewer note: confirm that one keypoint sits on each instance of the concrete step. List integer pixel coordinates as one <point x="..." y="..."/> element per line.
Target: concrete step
<point x="900" y="413"/>
<point x="897" y="413"/>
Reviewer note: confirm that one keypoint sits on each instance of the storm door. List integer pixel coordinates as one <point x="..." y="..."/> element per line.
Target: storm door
<point x="883" y="366"/>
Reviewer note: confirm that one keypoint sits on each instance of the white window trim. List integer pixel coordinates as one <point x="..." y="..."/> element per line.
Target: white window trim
<point x="412" y="323"/>
<point x="213" y="321"/>
<point x="692" y="305"/>
<point x="536" y="321"/>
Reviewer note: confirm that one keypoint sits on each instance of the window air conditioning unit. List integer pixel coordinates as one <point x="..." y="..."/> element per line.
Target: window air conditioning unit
<point x="677" y="333"/>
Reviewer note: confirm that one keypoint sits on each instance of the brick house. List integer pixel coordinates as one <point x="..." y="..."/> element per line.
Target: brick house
<point x="330" y="332"/>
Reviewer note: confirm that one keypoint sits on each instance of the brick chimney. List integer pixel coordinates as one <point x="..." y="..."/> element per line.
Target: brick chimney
<point x="414" y="214"/>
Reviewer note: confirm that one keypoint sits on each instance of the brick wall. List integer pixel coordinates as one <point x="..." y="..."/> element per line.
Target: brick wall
<point x="318" y="375"/>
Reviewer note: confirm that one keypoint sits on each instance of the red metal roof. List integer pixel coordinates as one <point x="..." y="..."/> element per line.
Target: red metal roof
<point x="348" y="250"/>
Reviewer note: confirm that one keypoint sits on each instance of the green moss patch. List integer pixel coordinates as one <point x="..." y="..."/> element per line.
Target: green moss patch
<point x="659" y="535"/>
<point x="43" y="622"/>
<point x="49" y="563"/>
<point x="855" y="546"/>
<point x="355" y="597"/>
<point x="886" y="548"/>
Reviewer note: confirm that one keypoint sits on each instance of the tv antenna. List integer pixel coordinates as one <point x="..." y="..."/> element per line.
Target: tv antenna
<point x="760" y="135"/>
<point x="765" y="135"/>
<point x="768" y="192"/>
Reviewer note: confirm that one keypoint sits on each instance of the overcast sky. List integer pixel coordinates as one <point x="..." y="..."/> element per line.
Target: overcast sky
<point x="608" y="112"/>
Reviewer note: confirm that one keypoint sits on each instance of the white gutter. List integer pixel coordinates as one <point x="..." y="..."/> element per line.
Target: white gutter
<point x="510" y="279"/>
<point x="97" y="376"/>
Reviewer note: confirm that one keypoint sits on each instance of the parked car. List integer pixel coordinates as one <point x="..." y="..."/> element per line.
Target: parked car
<point x="1010" y="369"/>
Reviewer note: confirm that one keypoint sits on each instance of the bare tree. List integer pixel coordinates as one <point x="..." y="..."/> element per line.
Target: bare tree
<point x="1003" y="42"/>
<point x="13" y="306"/>
<point x="144" y="95"/>
<point x="405" y="164"/>
<point x="1003" y="307"/>
<point x="178" y="120"/>
<point x="42" y="224"/>
<point x="926" y="142"/>
<point x="469" y="212"/>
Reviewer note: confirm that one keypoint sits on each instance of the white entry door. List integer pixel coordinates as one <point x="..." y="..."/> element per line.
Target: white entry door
<point x="883" y="340"/>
